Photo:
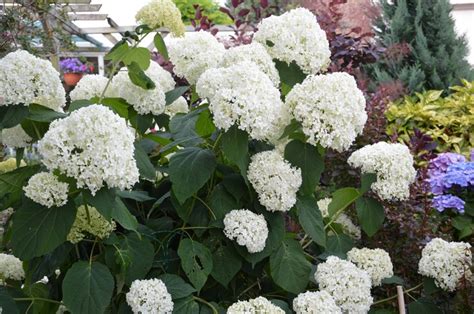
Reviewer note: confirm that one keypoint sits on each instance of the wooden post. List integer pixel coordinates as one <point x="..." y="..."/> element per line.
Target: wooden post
<point x="401" y="300"/>
<point x="100" y="61"/>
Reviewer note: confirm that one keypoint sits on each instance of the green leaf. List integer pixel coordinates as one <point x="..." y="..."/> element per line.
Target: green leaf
<point x="87" y="288"/>
<point x="186" y="306"/>
<point x="118" y="105"/>
<point x="235" y="146"/>
<point x="393" y="280"/>
<point x="103" y="201"/>
<point x="338" y="245"/>
<point x="36" y="130"/>
<point x="282" y="305"/>
<point x="161" y="46"/>
<point x="176" y="286"/>
<point x="370" y="214"/>
<point x="183" y="126"/>
<point x="118" y="52"/>
<point x="139" y="196"/>
<point x="311" y="219"/>
<point x="307" y="158"/>
<point x="38" y="230"/>
<point x="290" y="74"/>
<point x="366" y="182"/>
<point x="341" y="199"/>
<point x="11" y="116"/>
<point x="43" y="114"/>
<point x="221" y="203"/>
<point x="461" y="222"/>
<point x="123" y="216"/>
<point x="138" y="76"/>
<point x="140" y="252"/>
<point x="78" y="104"/>
<point x="190" y="160"/>
<point x="46" y="265"/>
<point x="139" y="55"/>
<point x="204" y="125"/>
<point x="429" y="286"/>
<point x="13" y="181"/>
<point x="174" y="94"/>
<point x="423" y="306"/>
<point x="7" y="304"/>
<point x="196" y="261"/>
<point x="226" y="264"/>
<point x="145" y="167"/>
<point x="289" y="267"/>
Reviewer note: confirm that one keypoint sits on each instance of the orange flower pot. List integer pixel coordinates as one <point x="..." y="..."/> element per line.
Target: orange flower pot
<point x="72" y="79"/>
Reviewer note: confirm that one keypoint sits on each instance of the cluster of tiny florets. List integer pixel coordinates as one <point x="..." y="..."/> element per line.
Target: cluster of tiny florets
<point x="376" y="262"/>
<point x="93" y="145"/>
<point x="89" y="222"/>
<point x="149" y="296"/>
<point x="448" y="263"/>
<point x="247" y="228"/>
<point x="346" y="283"/>
<point x="10" y="268"/>
<point x="275" y="180"/>
<point x="26" y="79"/>
<point x="393" y="165"/>
<point x="258" y="305"/>
<point x="330" y="108"/>
<point x="89" y="86"/>
<point x="44" y="188"/>
<point x="162" y="13"/>
<point x="10" y="165"/>
<point x="296" y="36"/>
<point x="315" y="302"/>
<point x="348" y="227"/>
<point x="16" y="137"/>
<point x="194" y="54"/>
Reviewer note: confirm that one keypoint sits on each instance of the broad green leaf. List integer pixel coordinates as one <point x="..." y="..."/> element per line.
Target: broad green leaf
<point x="103" y="201"/>
<point x="118" y="52"/>
<point x="176" y="286"/>
<point x="293" y="127"/>
<point x="393" y="280"/>
<point x="196" y="261"/>
<point x="307" y="158"/>
<point x="118" y="105"/>
<point x="35" y="129"/>
<point x="366" y="182"/>
<point x="45" y="265"/>
<point x="226" y="264"/>
<point x="290" y="74"/>
<point x="429" y="286"/>
<point x="13" y="181"/>
<point x="338" y="245"/>
<point x="221" y="203"/>
<point x="424" y="306"/>
<point x="78" y="104"/>
<point x="186" y="306"/>
<point x="123" y="216"/>
<point x="289" y="267"/>
<point x="370" y="214"/>
<point x="235" y="146"/>
<point x="204" y="125"/>
<point x="43" y="114"/>
<point x="144" y="122"/>
<point x="174" y="94"/>
<point x="461" y="222"/>
<point x="161" y="46"/>
<point x="87" y="288"/>
<point x="140" y="252"/>
<point x="145" y="167"/>
<point x="139" y="196"/>
<point x="7" y="304"/>
<point x="183" y="126"/>
<point x="189" y="169"/>
<point x="311" y="219"/>
<point x="138" y="76"/>
<point x="341" y="199"/>
<point x="140" y="55"/>
<point x="38" y="230"/>
<point x="11" y="116"/>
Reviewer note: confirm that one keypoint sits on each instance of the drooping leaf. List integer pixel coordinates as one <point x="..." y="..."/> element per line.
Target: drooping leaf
<point x="145" y="167"/>
<point x="186" y="306"/>
<point x="196" y="261"/>
<point x="226" y="264"/>
<point x="139" y="196"/>
<point x="161" y="46"/>
<point x="174" y="94"/>
<point x="35" y="129"/>
<point x="6" y="302"/>
<point x="138" y="76"/>
<point x="341" y="199"/>
<point x="96" y="287"/>
<point x="103" y="201"/>
<point x="176" y="286"/>
<point x="139" y="55"/>
<point x="183" y="126"/>
<point x="118" y="105"/>
<point x="43" y="114"/>
<point x="122" y="215"/>
<point x="11" y="116"/>
<point x="366" y="182"/>
<point x="235" y="146"/>
<point x="393" y="280"/>
<point x="371" y="215"/>
<point x="338" y="245"/>
<point x="46" y="265"/>
<point x="140" y="252"/>
<point x="290" y="74"/>
<point x="204" y="125"/>
<point x="221" y="203"/>
<point x="311" y="219"/>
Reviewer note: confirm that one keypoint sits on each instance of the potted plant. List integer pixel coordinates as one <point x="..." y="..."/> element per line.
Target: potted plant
<point x="73" y="70"/>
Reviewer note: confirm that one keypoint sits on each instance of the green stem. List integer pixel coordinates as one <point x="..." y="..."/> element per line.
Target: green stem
<point x="214" y="310"/>
<point x="204" y="203"/>
<point x="37" y="299"/>
<point x="395" y="296"/>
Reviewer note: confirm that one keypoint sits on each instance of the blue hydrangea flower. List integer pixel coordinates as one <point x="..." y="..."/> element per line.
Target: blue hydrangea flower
<point x="443" y="202"/>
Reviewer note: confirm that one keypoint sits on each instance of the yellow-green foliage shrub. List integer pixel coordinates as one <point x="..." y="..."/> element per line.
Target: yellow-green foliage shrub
<point x="209" y="8"/>
<point x="448" y="120"/>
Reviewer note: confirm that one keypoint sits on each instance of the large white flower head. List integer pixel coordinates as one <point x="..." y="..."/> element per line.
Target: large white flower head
<point x="93" y="145"/>
<point x="44" y="188"/>
<point x="330" y="108"/>
<point x="194" y="54"/>
<point x="180" y="105"/>
<point x="448" y="263"/>
<point x="295" y="36"/>
<point x="256" y="53"/>
<point x="393" y="165"/>
<point x="348" y="227"/>
<point x="26" y="79"/>
<point x="258" y="305"/>
<point x="149" y="296"/>
<point x="247" y="228"/>
<point x="376" y="262"/>
<point x="347" y="284"/>
<point x="315" y="302"/>
<point x="89" y="86"/>
<point x="16" y="137"/>
<point x="144" y="101"/>
<point x="92" y="223"/>
<point x="242" y="94"/>
<point x="162" y="13"/>
<point x="160" y="76"/>
<point x="10" y="268"/>
<point x="275" y="180"/>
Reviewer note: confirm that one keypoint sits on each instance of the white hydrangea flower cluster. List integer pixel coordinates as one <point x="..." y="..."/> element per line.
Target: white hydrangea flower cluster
<point x="348" y="227"/>
<point x="44" y="188"/>
<point x="347" y="284"/>
<point x="275" y="180"/>
<point x="194" y="54"/>
<point x="26" y="79"/>
<point x="393" y="165"/>
<point x="376" y="262"/>
<point x="330" y="108"/>
<point x="243" y="95"/>
<point x="258" y="305"/>
<point x="162" y="13"/>
<point x="98" y="226"/>
<point x="180" y="105"/>
<point x="315" y="302"/>
<point x="149" y="296"/>
<point x="160" y="76"/>
<point x="93" y="145"/>
<point x="16" y="137"/>
<point x="256" y="53"/>
<point x="10" y="165"/>
<point x="296" y="36"/>
<point x="447" y="262"/>
<point x="247" y="228"/>
<point x="10" y="268"/>
<point x="89" y="86"/>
